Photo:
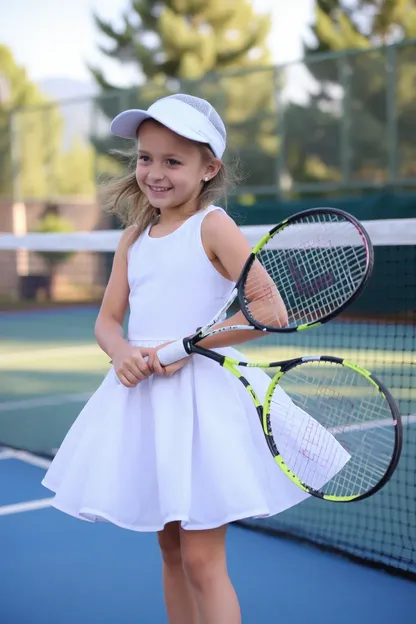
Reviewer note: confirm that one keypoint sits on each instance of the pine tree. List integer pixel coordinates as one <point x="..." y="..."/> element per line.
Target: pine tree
<point x="190" y="46"/>
<point x="363" y="78"/>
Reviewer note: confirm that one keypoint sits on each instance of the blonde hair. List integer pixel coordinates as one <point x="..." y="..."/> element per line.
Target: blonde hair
<point x="123" y="197"/>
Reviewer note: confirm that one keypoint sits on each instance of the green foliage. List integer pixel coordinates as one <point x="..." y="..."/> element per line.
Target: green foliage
<point x="369" y="81"/>
<point x="174" y="44"/>
<point x="25" y="135"/>
<point x="75" y="171"/>
<point x="31" y="129"/>
<point x="185" y="38"/>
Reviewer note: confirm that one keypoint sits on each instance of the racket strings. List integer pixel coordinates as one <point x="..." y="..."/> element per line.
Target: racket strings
<point x="316" y="265"/>
<point x="339" y="435"/>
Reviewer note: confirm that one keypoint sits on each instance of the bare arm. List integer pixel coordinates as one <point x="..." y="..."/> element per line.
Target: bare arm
<point x="109" y="323"/>
<point x="223" y="239"/>
<point x="128" y="361"/>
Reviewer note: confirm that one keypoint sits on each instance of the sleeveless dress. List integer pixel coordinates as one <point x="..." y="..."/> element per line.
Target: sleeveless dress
<point x="188" y="448"/>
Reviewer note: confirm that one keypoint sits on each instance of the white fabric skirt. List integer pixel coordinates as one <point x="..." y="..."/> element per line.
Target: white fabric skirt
<point x="189" y="448"/>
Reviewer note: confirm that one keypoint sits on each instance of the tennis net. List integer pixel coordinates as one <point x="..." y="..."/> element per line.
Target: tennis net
<point x="50" y="289"/>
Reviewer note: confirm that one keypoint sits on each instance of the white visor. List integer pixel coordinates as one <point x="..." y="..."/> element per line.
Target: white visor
<point x="181" y="114"/>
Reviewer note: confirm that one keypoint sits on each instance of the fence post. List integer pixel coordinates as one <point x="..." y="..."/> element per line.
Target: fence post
<point x="344" y="70"/>
<point x="280" y="130"/>
<point x="15" y="156"/>
<point x="391" y="105"/>
<point x="49" y="162"/>
<point x="93" y="134"/>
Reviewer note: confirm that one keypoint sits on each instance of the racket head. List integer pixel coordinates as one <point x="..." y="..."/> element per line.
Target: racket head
<point x="319" y="260"/>
<point x="340" y="437"/>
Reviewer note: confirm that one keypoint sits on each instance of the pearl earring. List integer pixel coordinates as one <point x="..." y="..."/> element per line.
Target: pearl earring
<point x="206" y="179"/>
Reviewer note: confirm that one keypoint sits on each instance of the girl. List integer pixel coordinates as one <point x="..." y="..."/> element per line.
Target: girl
<point x="148" y="451"/>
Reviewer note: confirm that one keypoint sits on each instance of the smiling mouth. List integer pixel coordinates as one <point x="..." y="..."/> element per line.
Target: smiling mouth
<point x="159" y="189"/>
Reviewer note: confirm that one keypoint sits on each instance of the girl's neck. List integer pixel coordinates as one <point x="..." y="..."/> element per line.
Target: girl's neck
<point x="173" y="216"/>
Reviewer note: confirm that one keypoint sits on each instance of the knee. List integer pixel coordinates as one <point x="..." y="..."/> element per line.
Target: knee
<point x="170" y="548"/>
<point x="201" y="568"/>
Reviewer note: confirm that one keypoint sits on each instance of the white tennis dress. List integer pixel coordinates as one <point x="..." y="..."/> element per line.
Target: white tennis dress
<point x="189" y="447"/>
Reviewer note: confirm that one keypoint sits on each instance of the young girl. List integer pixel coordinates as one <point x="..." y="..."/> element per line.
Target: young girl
<point x="149" y="451"/>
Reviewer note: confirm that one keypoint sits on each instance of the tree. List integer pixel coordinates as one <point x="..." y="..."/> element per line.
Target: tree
<point x="342" y="24"/>
<point x="174" y="44"/>
<point x="75" y="171"/>
<point x="353" y="90"/>
<point x="23" y="134"/>
<point x="31" y="129"/>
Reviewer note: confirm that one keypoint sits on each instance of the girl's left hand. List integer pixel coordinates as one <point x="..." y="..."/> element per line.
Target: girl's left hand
<point x="164" y="371"/>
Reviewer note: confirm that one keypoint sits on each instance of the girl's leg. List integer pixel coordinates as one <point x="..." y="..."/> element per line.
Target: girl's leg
<point x="180" y="604"/>
<point x="204" y="561"/>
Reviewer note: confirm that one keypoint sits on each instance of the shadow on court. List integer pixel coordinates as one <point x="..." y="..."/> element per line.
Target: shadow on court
<point x="55" y="569"/>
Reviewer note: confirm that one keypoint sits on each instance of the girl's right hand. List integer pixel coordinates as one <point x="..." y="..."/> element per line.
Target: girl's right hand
<point x="130" y="366"/>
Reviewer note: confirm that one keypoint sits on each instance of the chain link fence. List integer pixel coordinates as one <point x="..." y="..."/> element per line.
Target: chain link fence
<point x="329" y="123"/>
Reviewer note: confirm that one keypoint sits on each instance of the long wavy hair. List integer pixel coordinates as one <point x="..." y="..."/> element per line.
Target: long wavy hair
<point x="123" y="197"/>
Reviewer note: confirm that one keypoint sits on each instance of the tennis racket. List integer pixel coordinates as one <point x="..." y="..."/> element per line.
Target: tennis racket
<point x="315" y="263"/>
<point x="340" y="437"/>
<point x="335" y="431"/>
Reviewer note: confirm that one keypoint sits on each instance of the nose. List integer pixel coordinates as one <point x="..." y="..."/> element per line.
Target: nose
<point x="155" y="174"/>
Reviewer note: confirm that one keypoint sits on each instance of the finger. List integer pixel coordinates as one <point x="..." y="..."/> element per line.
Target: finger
<point x="150" y="361"/>
<point x="133" y="375"/>
<point x="157" y="367"/>
<point x="171" y="369"/>
<point x="145" y="351"/>
<point x="140" y="364"/>
<point x="144" y="357"/>
<point x="139" y="369"/>
<point x="124" y="381"/>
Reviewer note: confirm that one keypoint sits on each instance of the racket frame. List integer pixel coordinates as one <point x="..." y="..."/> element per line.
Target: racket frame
<point x="181" y="348"/>
<point x="263" y="412"/>
<point x="280" y="227"/>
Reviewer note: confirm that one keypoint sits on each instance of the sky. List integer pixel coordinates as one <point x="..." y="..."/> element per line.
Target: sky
<point x="56" y="39"/>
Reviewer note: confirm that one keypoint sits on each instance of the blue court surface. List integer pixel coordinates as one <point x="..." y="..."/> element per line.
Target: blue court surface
<point x="55" y="569"/>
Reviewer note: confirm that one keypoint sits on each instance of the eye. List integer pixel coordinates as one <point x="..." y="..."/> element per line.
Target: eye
<point x="144" y="158"/>
<point x="172" y="162"/>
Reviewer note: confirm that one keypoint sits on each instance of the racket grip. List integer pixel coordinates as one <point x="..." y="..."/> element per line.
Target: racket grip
<point x="172" y="353"/>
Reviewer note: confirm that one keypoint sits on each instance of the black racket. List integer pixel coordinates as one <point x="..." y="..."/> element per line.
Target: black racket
<point x="335" y="431"/>
<point x="317" y="262"/>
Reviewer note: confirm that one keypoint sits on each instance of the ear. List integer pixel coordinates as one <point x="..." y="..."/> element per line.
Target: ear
<point x="212" y="169"/>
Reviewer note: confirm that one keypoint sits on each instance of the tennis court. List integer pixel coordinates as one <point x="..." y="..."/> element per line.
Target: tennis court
<point x="50" y="365"/>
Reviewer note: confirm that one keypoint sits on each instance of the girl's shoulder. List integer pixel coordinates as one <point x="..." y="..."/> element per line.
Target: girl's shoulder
<point x="127" y="239"/>
<point x="216" y="217"/>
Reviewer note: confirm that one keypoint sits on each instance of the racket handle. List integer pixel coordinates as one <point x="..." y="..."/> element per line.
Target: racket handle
<point x="172" y="353"/>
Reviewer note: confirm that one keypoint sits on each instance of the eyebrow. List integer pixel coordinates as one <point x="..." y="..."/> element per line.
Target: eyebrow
<point x="169" y="155"/>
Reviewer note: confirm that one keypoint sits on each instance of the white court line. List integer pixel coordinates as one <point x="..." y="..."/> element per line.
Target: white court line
<point x="40" y="462"/>
<point x="29" y="458"/>
<point x="42" y="503"/>
<point x="59" y="399"/>
<point x="85" y="349"/>
<point x="7" y="454"/>
<point x="364" y="426"/>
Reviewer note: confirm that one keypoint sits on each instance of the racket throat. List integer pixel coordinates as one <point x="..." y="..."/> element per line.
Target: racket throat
<point x="221" y="314"/>
<point x="212" y="355"/>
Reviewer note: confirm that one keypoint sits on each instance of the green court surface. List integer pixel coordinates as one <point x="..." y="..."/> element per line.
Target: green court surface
<point x="50" y="365"/>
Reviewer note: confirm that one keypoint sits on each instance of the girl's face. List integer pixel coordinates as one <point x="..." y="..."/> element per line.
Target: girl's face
<point x="171" y="169"/>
